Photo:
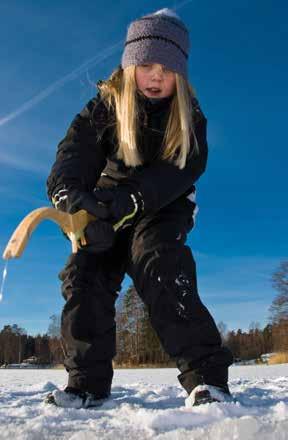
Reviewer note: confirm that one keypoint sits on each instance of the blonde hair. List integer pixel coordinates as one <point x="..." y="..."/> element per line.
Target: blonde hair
<point x="119" y="92"/>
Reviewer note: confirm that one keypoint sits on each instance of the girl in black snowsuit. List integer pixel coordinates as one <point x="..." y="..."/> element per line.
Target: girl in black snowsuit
<point x="131" y="158"/>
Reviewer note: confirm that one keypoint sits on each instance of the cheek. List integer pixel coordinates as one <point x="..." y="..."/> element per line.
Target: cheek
<point x="140" y="80"/>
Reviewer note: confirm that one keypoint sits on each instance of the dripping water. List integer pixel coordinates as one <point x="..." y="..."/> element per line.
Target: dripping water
<point x="3" y="280"/>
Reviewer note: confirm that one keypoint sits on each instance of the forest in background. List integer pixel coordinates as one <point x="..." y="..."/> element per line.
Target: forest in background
<point x="137" y="343"/>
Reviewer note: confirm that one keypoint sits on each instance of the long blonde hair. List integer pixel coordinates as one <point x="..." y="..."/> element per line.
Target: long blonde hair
<point x="119" y="92"/>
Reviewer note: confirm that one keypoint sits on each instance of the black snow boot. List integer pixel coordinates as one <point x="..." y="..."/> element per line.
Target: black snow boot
<point x="202" y="394"/>
<point x="73" y="398"/>
<point x="207" y="380"/>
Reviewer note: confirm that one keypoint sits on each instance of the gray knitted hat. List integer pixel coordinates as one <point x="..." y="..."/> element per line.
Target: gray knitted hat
<point x="160" y="38"/>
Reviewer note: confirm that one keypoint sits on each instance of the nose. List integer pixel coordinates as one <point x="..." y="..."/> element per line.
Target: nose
<point x="157" y="72"/>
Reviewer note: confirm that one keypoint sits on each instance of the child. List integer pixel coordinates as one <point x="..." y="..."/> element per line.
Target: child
<point x="131" y="158"/>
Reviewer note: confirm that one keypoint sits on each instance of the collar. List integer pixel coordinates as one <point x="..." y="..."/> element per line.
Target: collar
<point x="152" y="105"/>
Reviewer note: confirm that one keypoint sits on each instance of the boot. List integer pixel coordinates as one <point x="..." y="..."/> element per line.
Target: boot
<point x="202" y="394"/>
<point x="73" y="398"/>
<point x="207" y="380"/>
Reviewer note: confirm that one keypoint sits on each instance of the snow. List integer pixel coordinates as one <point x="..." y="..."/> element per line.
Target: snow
<point x="147" y="404"/>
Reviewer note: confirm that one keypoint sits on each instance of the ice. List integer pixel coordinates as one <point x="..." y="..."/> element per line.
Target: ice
<point x="147" y="404"/>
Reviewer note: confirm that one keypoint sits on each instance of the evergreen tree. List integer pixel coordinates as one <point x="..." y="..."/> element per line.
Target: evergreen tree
<point x="137" y="342"/>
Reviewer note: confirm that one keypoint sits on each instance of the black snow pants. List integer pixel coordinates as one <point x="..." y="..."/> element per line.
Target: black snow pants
<point x="153" y="253"/>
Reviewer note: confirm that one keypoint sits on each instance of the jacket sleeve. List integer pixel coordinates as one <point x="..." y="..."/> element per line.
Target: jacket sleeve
<point x="80" y="156"/>
<point x="163" y="182"/>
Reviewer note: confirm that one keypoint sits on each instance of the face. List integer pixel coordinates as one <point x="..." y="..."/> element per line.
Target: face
<point x="155" y="80"/>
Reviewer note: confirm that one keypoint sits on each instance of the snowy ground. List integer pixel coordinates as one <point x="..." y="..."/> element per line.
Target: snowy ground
<point x="147" y="404"/>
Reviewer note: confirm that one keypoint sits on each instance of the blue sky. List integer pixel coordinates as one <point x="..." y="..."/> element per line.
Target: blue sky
<point x="52" y="53"/>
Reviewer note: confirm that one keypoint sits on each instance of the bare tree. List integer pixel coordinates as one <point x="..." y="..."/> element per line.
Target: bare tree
<point x="54" y="326"/>
<point x="223" y="330"/>
<point x="254" y="325"/>
<point x="279" y="307"/>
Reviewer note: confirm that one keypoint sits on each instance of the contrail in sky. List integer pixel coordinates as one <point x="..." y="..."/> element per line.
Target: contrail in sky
<point x="57" y="84"/>
<point x="106" y="53"/>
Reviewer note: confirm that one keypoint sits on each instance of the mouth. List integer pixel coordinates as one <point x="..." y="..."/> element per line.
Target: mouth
<point x="154" y="91"/>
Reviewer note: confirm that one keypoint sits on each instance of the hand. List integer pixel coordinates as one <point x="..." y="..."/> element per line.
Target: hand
<point x="71" y="200"/>
<point x="99" y="236"/>
<point x="118" y="205"/>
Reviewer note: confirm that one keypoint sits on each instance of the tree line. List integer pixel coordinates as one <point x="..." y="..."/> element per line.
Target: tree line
<point x="138" y="344"/>
<point x="16" y="346"/>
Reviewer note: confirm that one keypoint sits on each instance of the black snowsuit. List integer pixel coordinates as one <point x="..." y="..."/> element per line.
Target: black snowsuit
<point x="152" y="251"/>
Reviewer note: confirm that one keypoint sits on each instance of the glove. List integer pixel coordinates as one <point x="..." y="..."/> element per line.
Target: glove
<point x="118" y="205"/>
<point x="71" y="200"/>
<point x="99" y="236"/>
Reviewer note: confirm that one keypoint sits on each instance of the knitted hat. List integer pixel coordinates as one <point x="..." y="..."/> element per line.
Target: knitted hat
<point x="160" y="38"/>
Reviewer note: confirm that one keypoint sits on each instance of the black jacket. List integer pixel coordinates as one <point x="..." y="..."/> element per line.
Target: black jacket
<point x="86" y="156"/>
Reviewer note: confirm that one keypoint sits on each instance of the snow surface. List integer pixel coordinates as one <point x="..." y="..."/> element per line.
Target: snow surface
<point x="147" y="404"/>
